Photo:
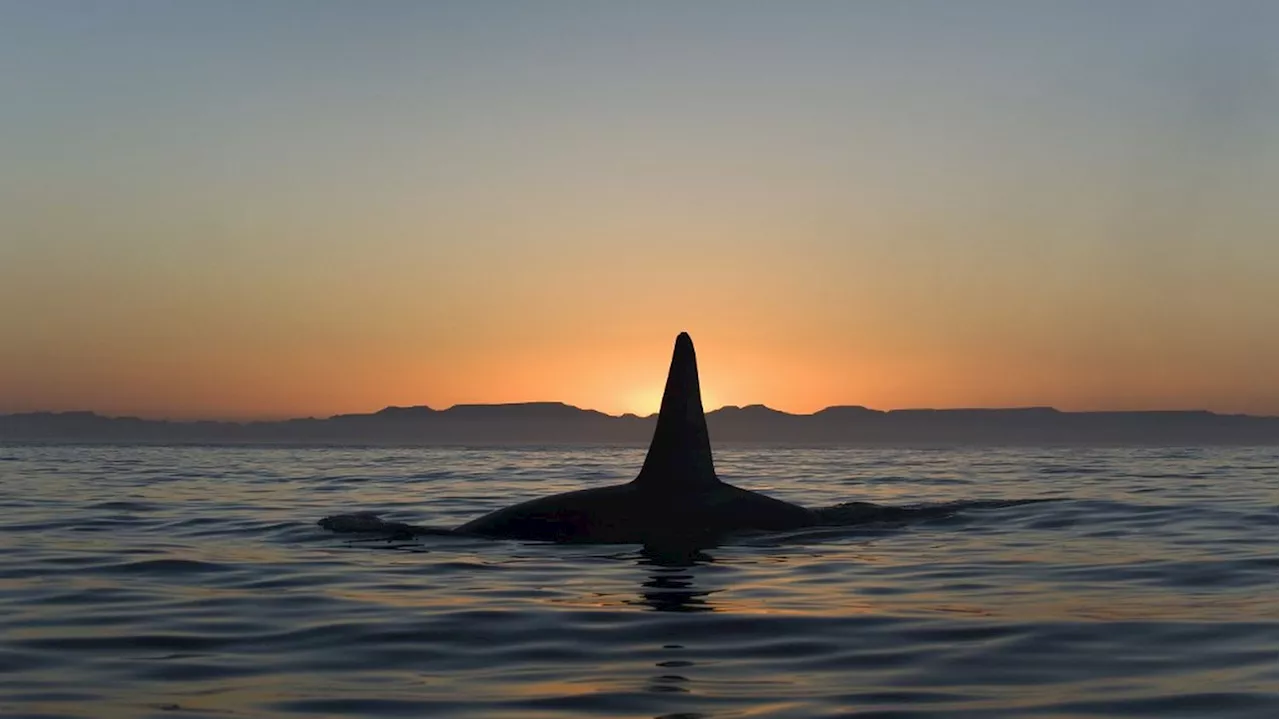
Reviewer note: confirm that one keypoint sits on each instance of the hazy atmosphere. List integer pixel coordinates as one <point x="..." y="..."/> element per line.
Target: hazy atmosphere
<point x="252" y="210"/>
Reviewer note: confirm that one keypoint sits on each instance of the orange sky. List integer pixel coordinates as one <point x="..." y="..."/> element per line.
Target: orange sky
<point x="207" y="214"/>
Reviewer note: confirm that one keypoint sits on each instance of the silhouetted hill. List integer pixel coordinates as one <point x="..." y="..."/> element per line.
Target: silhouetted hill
<point x="557" y="423"/>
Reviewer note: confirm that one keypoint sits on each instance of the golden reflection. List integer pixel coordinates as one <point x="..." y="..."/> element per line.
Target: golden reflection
<point x="680" y="580"/>
<point x="673" y="584"/>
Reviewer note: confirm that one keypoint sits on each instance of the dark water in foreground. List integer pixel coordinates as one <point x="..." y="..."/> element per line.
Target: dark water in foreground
<point x="192" y="582"/>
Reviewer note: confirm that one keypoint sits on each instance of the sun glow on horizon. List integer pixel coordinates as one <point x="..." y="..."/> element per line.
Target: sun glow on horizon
<point x="642" y="402"/>
<point x="648" y="400"/>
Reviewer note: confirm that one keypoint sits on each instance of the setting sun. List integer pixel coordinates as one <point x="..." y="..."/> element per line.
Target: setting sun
<point x="642" y="402"/>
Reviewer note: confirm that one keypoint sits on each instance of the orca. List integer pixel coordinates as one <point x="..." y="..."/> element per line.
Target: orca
<point x="675" y="500"/>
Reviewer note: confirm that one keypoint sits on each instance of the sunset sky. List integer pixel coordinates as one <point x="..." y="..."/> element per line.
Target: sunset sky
<point x="268" y="209"/>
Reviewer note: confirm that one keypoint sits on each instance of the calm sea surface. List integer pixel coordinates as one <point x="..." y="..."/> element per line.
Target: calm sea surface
<point x="193" y="582"/>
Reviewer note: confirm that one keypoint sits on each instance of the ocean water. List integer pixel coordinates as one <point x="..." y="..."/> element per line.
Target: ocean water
<point x="195" y="582"/>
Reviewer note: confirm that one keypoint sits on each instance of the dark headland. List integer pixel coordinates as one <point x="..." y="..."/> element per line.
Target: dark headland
<point x="556" y="423"/>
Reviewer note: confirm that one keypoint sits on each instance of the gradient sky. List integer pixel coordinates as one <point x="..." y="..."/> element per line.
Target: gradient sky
<point x="266" y="209"/>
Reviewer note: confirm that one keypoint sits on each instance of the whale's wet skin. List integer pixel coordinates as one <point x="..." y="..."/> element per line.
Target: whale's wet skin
<point x="848" y="515"/>
<point x="676" y="500"/>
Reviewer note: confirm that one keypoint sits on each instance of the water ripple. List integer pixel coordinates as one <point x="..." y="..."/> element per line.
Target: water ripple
<point x="192" y="581"/>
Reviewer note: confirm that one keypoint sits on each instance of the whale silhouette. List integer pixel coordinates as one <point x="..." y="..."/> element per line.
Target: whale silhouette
<point x="675" y="505"/>
<point x="676" y="499"/>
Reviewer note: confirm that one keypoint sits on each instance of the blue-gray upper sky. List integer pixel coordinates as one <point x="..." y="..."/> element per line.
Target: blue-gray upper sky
<point x="316" y="207"/>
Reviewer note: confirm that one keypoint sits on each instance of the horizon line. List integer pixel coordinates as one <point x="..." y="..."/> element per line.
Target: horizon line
<point x="1048" y="408"/>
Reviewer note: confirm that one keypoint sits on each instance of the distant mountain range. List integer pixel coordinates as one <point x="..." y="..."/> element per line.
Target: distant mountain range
<point x="556" y="423"/>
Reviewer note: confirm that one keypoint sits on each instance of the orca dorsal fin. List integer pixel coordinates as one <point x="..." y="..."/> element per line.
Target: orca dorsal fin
<point x="680" y="453"/>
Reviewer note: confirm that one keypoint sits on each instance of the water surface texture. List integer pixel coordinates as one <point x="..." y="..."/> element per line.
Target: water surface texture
<point x="194" y="581"/>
